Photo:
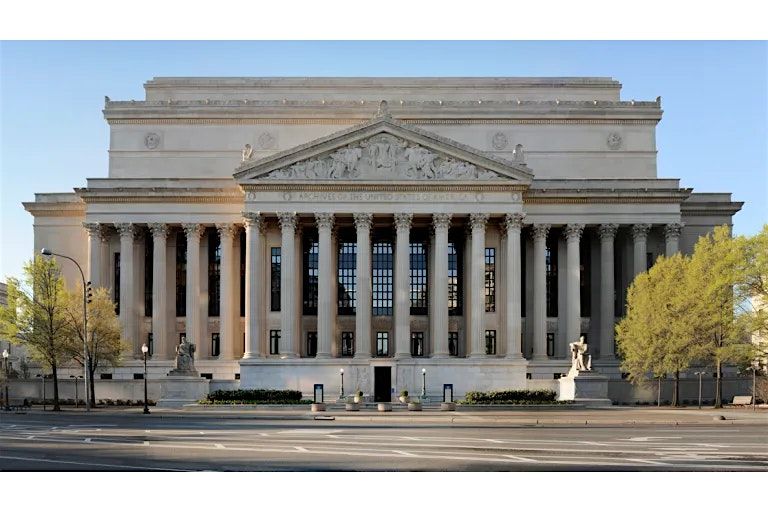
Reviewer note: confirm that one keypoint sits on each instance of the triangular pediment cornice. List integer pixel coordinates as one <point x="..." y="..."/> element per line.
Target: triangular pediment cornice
<point x="383" y="149"/>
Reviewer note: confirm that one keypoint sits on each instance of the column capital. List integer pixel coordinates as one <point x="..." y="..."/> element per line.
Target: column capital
<point x="513" y="221"/>
<point x="93" y="228"/>
<point x="158" y="229"/>
<point x="227" y="230"/>
<point x="324" y="220"/>
<point x="573" y="231"/>
<point x="640" y="231"/>
<point x="672" y="231"/>
<point x="126" y="229"/>
<point x="287" y="220"/>
<point x="193" y="230"/>
<point x="403" y="220"/>
<point x="607" y="232"/>
<point x="540" y="231"/>
<point x="254" y="219"/>
<point x="105" y="232"/>
<point x="478" y="220"/>
<point x="441" y="220"/>
<point x="363" y="220"/>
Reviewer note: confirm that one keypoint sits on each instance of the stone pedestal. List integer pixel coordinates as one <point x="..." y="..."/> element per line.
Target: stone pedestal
<point x="585" y="387"/>
<point x="179" y="390"/>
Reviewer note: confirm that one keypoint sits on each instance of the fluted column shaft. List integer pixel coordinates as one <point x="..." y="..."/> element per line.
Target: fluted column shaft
<point x="540" y="232"/>
<point x="159" y="290"/>
<point x="672" y="238"/>
<point x="402" y="282"/>
<point x="325" y="316"/>
<point x="573" y="281"/>
<point x="607" y="233"/>
<point x="364" y="303"/>
<point x="94" y="253"/>
<point x="441" y="223"/>
<point x="513" y="222"/>
<point x="288" y="304"/>
<point x="477" y="291"/>
<point x="640" y="236"/>
<point x="194" y="326"/>
<point x="128" y="286"/>
<point x="255" y="285"/>
<point x="227" y="290"/>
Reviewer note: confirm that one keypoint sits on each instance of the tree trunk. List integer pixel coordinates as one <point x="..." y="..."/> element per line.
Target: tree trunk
<point x="92" y="385"/>
<point x="658" y="394"/>
<point x="55" y="374"/>
<point x="719" y="385"/>
<point x="676" y="390"/>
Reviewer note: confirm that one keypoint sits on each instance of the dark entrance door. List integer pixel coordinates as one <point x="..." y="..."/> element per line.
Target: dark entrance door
<point x="382" y="383"/>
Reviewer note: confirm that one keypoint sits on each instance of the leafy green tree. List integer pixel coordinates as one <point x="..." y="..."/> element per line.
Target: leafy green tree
<point x="752" y="292"/>
<point x="35" y="316"/>
<point x="104" y="343"/>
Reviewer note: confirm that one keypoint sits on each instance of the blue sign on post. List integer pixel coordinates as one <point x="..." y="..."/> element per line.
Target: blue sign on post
<point x="318" y="398"/>
<point x="447" y="392"/>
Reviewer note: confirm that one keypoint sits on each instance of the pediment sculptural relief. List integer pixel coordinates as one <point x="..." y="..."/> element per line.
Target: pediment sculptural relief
<point x="383" y="156"/>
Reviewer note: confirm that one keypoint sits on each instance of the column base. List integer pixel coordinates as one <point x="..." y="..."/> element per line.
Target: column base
<point x="323" y="356"/>
<point x="515" y="357"/>
<point x="252" y="356"/>
<point x="445" y="355"/>
<point x="402" y="356"/>
<point x="289" y="356"/>
<point x="361" y="357"/>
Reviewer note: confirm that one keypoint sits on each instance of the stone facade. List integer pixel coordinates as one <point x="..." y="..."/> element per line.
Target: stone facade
<point x="484" y="223"/>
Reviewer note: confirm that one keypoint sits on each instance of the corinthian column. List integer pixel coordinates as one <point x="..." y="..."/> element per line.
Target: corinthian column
<point x="640" y="236"/>
<point x="194" y="324"/>
<point x="607" y="234"/>
<point x="255" y="287"/>
<point x="672" y="237"/>
<point x="573" y="282"/>
<point x="127" y="285"/>
<point x="325" y="316"/>
<point x="441" y="223"/>
<point x="159" y="290"/>
<point x="288" y="305"/>
<point x="512" y="289"/>
<point x="363" y="223"/>
<point x="226" y="310"/>
<point x="94" y="253"/>
<point x="540" y="232"/>
<point x="402" y="285"/>
<point x="477" y="336"/>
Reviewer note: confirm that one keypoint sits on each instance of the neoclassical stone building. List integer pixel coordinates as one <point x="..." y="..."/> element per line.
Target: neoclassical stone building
<point x="292" y="227"/>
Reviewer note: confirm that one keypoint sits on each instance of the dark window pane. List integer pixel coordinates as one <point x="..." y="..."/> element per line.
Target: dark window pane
<point x="453" y="343"/>
<point x="347" y="277"/>
<point x="311" y="343"/>
<point x="382" y="343"/>
<point x="116" y="288"/>
<point x="214" y="272"/>
<point x="417" y="344"/>
<point x="347" y="344"/>
<point x="383" y="272"/>
<point x="275" y="276"/>
<point x="181" y="274"/>
<point x="551" y="264"/>
<point x="311" y="252"/>
<point x="242" y="273"/>
<point x="490" y="342"/>
<point x="274" y="342"/>
<point x="418" y="278"/>
<point x="148" y="271"/>
<point x="490" y="279"/>
<point x="215" y="344"/>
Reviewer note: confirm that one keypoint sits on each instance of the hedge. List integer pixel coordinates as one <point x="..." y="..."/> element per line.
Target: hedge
<point x="263" y="396"/>
<point x="511" y="396"/>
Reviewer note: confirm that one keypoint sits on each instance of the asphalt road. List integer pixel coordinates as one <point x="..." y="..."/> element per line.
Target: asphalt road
<point x="114" y="442"/>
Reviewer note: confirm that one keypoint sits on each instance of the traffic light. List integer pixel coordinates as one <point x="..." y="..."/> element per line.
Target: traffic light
<point x="88" y="292"/>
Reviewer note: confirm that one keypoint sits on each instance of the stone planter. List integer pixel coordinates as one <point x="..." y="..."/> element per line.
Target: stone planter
<point x="318" y="407"/>
<point x="358" y="399"/>
<point x="352" y="407"/>
<point x="403" y="399"/>
<point x="385" y="407"/>
<point x="414" y="406"/>
<point x="447" y="406"/>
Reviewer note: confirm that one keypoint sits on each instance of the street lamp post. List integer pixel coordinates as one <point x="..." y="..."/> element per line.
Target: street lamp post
<point x="423" y="384"/>
<point x="341" y="392"/>
<point x="5" y="367"/>
<point x="48" y="252"/>
<point x="699" y="374"/>
<point x="144" y="350"/>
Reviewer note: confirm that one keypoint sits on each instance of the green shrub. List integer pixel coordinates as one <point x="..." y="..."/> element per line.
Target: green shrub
<point x="511" y="396"/>
<point x="404" y="392"/>
<point x="263" y="396"/>
<point x="359" y="393"/>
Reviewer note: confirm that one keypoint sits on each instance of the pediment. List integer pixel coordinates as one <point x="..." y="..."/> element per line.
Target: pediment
<point x="383" y="150"/>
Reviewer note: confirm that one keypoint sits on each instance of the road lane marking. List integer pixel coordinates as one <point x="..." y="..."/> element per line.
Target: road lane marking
<point x="652" y="462"/>
<point x="645" y="439"/>
<point x="33" y="459"/>
<point x="146" y="443"/>
<point x="300" y="449"/>
<point x="407" y="454"/>
<point x="521" y="459"/>
<point x="87" y="440"/>
<point x="219" y="445"/>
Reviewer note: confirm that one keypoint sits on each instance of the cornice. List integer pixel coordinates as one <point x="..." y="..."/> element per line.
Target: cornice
<point x="159" y="121"/>
<point x="154" y="195"/>
<point x="282" y="186"/>
<point x="55" y="209"/>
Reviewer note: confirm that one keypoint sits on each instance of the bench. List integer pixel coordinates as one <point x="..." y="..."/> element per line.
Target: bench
<point x="742" y="400"/>
<point x="16" y="404"/>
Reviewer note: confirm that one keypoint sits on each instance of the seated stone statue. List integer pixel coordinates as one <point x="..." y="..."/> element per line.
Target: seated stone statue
<point x="578" y="351"/>
<point x="185" y="358"/>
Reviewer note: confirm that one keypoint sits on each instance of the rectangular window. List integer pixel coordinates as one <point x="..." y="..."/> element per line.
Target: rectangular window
<point x="455" y="270"/>
<point x="214" y="273"/>
<point x="242" y="273"/>
<point x="182" y="337"/>
<point x="648" y="260"/>
<point x="105" y="376"/>
<point x="311" y="343"/>
<point x="148" y="272"/>
<point x="181" y="274"/>
<point x="382" y="343"/>
<point x="311" y="273"/>
<point x="550" y="344"/>
<point x="490" y="343"/>
<point x="215" y="344"/>
<point x="490" y="279"/>
<point x="418" y="278"/>
<point x="208" y="376"/>
<point x="347" y="275"/>
<point x="453" y="343"/>
<point x="551" y="264"/>
<point x="274" y="342"/>
<point x="150" y="344"/>
<point x="347" y="344"/>
<point x="417" y="344"/>
<point x="138" y="376"/>
<point x="116" y="288"/>
<point x="275" y="276"/>
<point x="382" y="278"/>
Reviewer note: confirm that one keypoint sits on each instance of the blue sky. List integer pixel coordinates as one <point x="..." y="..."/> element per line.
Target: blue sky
<point x="52" y="135"/>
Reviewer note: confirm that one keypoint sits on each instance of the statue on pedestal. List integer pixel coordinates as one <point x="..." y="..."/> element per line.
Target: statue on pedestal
<point x="185" y="359"/>
<point x="247" y="153"/>
<point x="578" y="351"/>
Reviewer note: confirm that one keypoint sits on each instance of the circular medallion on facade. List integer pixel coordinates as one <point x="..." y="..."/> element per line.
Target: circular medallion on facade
<point x="499" y="140"/>
<point x="614" y="140"/>
<point x="267" y="140"/>
<point x="515" y="197"/>
<point x="287" y="196"/>
<point x="479" y="197"/>
<point x="152" y="140"/>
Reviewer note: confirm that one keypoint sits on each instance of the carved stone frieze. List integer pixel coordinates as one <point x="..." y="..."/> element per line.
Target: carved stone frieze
<point x="383" y="156"/>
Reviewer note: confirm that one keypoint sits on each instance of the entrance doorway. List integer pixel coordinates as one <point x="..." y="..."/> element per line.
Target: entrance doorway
<point x="382" y="383"/>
